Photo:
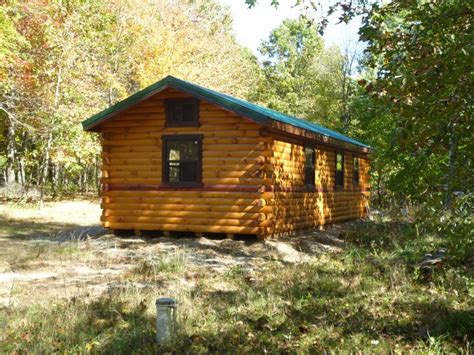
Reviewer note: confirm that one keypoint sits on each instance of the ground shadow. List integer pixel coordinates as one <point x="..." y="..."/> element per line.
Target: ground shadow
<point x="20" y="230"/>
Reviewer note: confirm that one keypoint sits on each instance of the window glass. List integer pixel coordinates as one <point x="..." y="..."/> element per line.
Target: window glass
<point x="174" y="113"/>
<point x="189" y="171"/>
<point x="339" y="169"/>
<point x="187" y="112"/>
<point x="174" y="172"/>
<point x="182" y="112"/>
<point x="339" y="162"/>
<point x="182" y="162"/>
<point x="309" y="155"/>
<point x="309" y="166"/>
<point x="182" y="150"/>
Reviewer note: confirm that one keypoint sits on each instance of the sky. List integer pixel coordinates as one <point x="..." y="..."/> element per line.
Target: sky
<point x="253" y="25"/>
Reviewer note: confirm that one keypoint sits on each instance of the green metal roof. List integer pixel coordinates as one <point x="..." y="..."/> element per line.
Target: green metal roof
<point x="257" y="113"/>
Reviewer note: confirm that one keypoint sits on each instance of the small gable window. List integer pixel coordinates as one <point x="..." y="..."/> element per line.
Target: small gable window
<point x="309" y="167"/>
<point x="355" y="176"/>
<point x="339" y="170"/>
<point x="182" y="160"/>
<point x="182" y="112"/>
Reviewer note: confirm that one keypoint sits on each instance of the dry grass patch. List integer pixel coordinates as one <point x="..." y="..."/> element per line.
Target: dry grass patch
<point x="239" y="297"/>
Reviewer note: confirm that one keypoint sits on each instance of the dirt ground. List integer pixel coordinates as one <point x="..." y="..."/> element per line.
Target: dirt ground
<point x="60" y="251"/>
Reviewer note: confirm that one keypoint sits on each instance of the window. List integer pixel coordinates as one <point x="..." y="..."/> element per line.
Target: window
<point x="339" y="170"/>
<point x="182" y="112"/>
<point x="309" y="167"/>
<point x="182" y="160"/>
<point x="355" y="175"/>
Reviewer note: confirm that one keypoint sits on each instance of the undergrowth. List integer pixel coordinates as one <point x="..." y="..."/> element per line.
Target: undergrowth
<point x="173" y="262"/>
<point x="369" y="298"/>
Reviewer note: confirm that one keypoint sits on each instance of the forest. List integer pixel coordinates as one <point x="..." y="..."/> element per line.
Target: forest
<point x="407" y="91"/>
<point x="66" y="60"/>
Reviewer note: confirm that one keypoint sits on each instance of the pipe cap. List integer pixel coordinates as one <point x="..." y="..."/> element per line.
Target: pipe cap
<point x="165" y="301"/>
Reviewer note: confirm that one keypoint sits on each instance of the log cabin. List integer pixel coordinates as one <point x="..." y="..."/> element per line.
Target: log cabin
<point x="178" y="157"/>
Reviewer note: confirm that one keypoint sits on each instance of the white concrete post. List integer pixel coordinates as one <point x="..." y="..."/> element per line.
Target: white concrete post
<point x="165" y="318"/>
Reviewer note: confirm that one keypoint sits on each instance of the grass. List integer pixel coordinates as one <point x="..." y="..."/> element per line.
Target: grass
<point x="40" y="252"/>
<point x="173" y="263"/>
<point x="28" y="232"/>
<point x="26" y="221"/>
<point x="369" y="298"/>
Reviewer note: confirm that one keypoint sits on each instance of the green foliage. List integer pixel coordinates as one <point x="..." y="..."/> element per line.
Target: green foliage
<point x="69" y="60"/>
<point x="416" y="108"/>
<point x="11" y="42"/>
<point x="299" y="76"/>
<point x="455" y="228"/>
<point x="421" y="52"/>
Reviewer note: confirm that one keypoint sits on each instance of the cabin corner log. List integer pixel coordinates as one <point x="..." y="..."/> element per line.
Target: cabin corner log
<point x="252" y="177"/>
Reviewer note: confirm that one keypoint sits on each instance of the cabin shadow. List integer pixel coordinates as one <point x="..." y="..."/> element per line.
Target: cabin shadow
<point x="215" y="244"/>
<point x="46" y="231"/>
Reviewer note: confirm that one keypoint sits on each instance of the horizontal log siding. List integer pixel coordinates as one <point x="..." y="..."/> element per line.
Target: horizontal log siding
<point x="233" y="154"/>
<point x="292" y="208"/>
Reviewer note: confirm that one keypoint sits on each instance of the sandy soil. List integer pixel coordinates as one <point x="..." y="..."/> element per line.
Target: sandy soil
<point x="67" y="262"/>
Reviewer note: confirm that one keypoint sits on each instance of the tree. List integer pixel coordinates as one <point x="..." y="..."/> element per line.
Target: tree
<point x="419" y="75"/>
<point x="422" y="53"/>
<point x="348" y="84"/>
<point x="63" y="61"/>
<point x="11" y="44"/>
<point x="299" y="76"/>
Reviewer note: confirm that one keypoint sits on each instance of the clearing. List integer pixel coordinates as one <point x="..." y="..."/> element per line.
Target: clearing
<point x="57" y="251"/>
<point x="66" y="285"/>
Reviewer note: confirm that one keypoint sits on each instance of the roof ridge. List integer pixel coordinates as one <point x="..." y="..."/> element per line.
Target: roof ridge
<point x="327" y="131"/>
<point x="256" y="112"/>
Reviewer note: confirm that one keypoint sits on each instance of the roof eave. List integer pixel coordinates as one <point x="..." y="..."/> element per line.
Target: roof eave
<point x="92" y="123"/>
<point x="317" y="137"/>
<point x="100" y="118"/>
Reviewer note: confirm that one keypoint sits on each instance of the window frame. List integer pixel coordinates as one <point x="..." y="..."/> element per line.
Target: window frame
<point x="168" y="105"/>
<point x="355" y="181"/>
<point x="310" y="186"/>
<point x="165" y="161"/>
<point x="336" y="185"/>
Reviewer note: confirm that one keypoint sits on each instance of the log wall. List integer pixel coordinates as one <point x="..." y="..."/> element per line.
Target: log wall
<point x="253" y="183"/>
<point x="293" y="207"/>
<point x="233" y="172"/>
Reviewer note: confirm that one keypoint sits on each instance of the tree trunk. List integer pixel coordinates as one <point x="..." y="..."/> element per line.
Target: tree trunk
<point x="451" y="172"/>
<point x="21" y="159"/>
<point x="43" y="171"/>
<point x="83" y="179"/>
<point x="21" y="172"/>
<point x="379" y="187"/>
<point x="46" y="159"/>
<point x="11" y="154"/>
<point x="346" y="85"/>
<point x="55" y="181"/>
<point x="97" y="174"/>
<point x="111" y="96"/>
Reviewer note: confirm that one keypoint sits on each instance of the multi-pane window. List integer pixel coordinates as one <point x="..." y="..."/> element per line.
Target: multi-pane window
<point x="355" y="175"/>
<point x="339" y="169"/>
<point x="182" y="112"/>
<point x="309" y="167"/>
<point x="182" y="160"/>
